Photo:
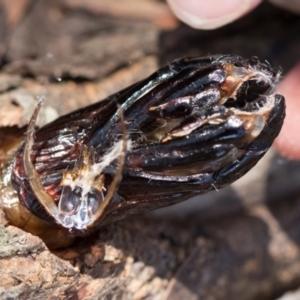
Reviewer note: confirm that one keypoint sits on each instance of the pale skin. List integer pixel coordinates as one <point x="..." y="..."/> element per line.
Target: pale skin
<point x="203" y="14"/>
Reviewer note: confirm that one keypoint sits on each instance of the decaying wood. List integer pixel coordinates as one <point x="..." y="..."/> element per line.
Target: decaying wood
<point x="254" y="255"/>
<point x="236" y="245"/>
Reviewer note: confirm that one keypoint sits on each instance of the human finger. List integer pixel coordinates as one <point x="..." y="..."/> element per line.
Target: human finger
<point x="288" y="141"/>
<point x="211" y="14"/>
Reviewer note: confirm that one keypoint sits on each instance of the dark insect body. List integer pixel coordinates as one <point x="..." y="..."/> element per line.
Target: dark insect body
<point x="195" y="125"/>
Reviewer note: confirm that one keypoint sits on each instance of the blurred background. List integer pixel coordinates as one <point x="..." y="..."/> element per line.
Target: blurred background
<point x="74" y="53"/>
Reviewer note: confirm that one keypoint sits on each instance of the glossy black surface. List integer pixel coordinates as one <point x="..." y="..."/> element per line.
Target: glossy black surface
<point x="176" y="153"/>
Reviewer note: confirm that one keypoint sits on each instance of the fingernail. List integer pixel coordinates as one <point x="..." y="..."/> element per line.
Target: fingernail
<point x="210" y="14"/>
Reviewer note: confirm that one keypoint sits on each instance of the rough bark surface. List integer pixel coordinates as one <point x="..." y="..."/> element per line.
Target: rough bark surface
<point x="242" y="243"/>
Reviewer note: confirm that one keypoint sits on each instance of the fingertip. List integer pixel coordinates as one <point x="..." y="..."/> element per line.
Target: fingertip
<point x="210" y="14"/>
<point x="288" y="141"/>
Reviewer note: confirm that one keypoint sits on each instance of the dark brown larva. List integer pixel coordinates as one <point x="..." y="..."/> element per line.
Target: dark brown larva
<point x="194" y="125"/>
